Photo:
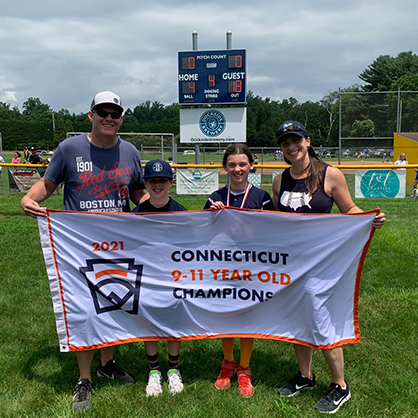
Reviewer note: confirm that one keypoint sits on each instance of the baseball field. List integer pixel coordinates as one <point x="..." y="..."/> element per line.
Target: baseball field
<point x="36" y="380"/>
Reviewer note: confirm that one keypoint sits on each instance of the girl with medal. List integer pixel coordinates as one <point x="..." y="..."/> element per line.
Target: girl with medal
<point x="238" y="162"/>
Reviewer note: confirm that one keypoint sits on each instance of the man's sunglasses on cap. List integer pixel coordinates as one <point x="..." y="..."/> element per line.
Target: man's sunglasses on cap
<point x="105" y="113"/>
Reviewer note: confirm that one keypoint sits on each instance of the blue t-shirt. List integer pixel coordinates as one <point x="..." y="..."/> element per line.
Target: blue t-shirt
<point x="256" y="199"/>
<point x="171" y="206"/>
<point x="96" y="179"/>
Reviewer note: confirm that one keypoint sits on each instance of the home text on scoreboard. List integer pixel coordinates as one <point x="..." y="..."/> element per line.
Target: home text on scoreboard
<point x="212" y="77"/>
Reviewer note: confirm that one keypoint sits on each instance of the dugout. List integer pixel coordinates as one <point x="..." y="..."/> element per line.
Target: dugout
<point x="406" y="142"/>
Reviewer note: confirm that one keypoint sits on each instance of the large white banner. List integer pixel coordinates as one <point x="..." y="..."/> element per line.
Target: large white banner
<point x="120" y="277"/>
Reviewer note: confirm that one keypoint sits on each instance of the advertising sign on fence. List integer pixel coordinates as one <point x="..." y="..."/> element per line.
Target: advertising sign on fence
<point x="380" y="183"/>
<point x="21" y="179"/>
<point x="197" y="181"/>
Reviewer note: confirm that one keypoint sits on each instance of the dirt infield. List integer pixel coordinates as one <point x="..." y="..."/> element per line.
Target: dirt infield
<point x="333" y="161"/>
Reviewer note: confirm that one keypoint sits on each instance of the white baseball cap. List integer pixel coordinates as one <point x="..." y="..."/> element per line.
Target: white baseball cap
<point x="106" y="97"/>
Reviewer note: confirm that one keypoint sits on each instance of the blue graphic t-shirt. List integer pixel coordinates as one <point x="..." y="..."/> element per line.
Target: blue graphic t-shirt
<point x="96" y="179"/>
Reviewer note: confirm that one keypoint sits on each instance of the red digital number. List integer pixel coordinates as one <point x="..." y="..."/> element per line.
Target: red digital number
<point x="211" y="80"/>
<point x="188" y="87"/>
<point x="191" y="63"/>
<point x="188" y="63"/>
<point x="235" y="61"/>
<point x="238" y="61"/>
<point x="235" y="86"/>
<point x="192" y="87"/>
<point x="238" y="86"/>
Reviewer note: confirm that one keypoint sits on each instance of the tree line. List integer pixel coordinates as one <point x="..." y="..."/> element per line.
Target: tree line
<point x="363" y="115"/>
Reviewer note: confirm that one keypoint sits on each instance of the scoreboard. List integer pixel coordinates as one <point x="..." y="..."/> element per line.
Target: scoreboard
<point x="212" y="77"/>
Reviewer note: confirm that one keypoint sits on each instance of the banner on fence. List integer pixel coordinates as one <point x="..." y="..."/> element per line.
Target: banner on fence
<point x="21" y="179"/>
<point x="197" y="181"/>
<point x="380" y="183"/>
<point x="254" y="179"/>
<point x="118" y="278"/>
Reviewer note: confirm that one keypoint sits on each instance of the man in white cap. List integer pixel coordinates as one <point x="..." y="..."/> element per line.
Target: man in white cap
<point x="101" y="172"/>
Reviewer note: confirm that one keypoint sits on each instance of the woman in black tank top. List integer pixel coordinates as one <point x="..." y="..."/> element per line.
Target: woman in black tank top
<point x="311" y="186"/>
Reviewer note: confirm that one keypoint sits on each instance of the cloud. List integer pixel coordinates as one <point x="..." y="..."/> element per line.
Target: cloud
<point x="64" y="53"/>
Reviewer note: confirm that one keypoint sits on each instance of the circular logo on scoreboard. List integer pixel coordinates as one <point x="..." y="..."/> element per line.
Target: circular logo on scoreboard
<point x="212" y="123"/>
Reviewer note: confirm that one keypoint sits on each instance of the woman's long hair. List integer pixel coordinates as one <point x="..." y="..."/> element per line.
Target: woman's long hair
<point x="316" y="171"/>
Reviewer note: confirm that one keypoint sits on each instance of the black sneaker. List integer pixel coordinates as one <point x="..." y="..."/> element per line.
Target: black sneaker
<point x="82" y="395"/>
<point x="113" y="371"/>
<point x="332" y="400"/>
<point x="296" y="384"/>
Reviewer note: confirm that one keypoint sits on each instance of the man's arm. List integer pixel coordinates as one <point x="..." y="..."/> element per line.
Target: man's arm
<point x="138" y="196"/>
<point x="39" y="192"/>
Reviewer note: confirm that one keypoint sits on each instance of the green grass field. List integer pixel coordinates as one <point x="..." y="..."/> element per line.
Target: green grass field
<point x="36" y="380"/>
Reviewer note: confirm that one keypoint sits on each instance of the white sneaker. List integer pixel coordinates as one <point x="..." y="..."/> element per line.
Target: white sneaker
<point x="154" y="383"/>
<point x="175" y="385"/>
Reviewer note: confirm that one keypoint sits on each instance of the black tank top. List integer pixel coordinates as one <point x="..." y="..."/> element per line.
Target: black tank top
<point x="294" y="196"/>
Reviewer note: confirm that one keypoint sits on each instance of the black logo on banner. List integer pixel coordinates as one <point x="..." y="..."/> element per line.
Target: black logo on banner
<point x="109" y="285"/>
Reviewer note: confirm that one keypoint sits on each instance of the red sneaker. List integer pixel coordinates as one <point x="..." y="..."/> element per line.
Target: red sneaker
<point x="223" y="381"/>
<point x="244" y="381"/>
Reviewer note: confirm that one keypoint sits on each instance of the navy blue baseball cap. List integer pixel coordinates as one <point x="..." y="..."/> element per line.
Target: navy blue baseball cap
<point x="291" y="127"/>
<point x="157" y="168"/>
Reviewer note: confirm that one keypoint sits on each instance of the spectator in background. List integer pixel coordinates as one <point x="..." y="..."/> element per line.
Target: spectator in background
<point x="366" y="152"/>
<point x="276" y="155"/>
<point x="17" y="158"/>
<point x="171" y="162"/>
<point x="401" y="161"/>
<point x="416" y="179"/>
<point x="253" y="170"/>
<point x="48" y="160"/>
<point x="1" y="161"/>
<point x="26" y="154"/>
<point x="34" y="158"/>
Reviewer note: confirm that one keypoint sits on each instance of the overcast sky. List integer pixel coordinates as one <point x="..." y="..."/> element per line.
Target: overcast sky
<point x="65" y="51"/>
